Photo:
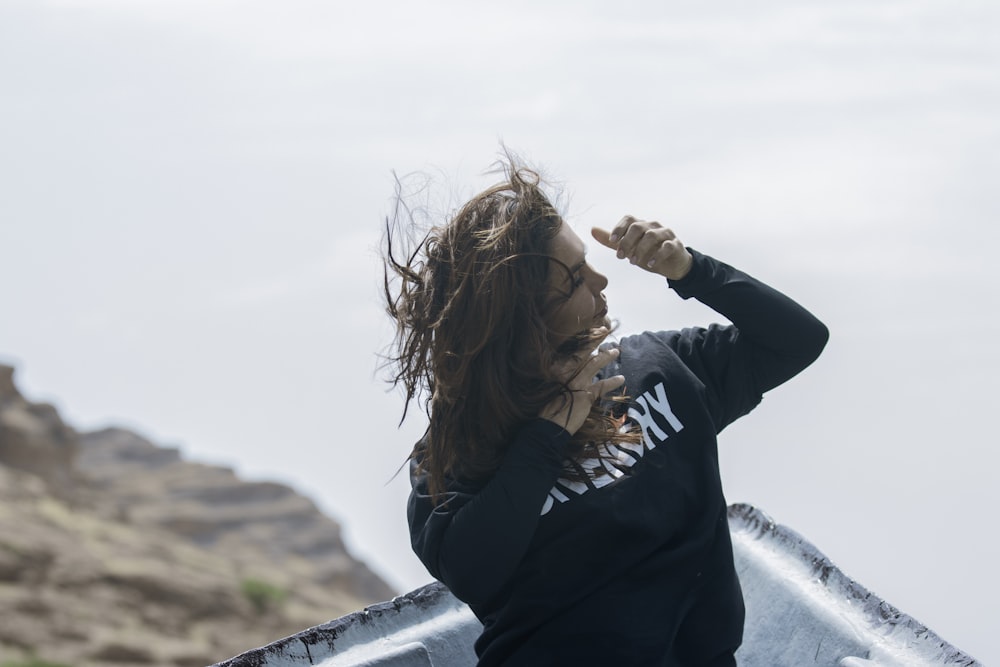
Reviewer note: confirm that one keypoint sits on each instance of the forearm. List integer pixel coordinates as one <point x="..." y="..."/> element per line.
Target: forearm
<point x="481" y="543"/>
<point x="782" y="336"/>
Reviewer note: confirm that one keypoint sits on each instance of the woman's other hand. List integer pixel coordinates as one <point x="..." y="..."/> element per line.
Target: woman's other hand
<point x="570" y="409"/>
<point x="647" y="244"/>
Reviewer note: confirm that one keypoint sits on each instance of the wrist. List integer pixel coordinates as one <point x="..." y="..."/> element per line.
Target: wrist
<point x="680" y="270"/>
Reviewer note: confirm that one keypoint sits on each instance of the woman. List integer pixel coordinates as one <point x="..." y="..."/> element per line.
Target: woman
<point x="580" y="528"/>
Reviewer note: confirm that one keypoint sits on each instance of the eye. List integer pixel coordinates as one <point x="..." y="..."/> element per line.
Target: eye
<point x="577" y="274"/>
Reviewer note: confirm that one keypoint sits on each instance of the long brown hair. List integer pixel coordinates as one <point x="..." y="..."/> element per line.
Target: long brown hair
<point x="469" y="302"/>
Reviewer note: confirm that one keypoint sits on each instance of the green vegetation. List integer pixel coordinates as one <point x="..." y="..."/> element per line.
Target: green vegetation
<point x="32" y="662"/>
<point x="263" y="596"/>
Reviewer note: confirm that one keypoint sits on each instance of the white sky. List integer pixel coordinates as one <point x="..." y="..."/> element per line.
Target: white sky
<point x="192" y="195"/>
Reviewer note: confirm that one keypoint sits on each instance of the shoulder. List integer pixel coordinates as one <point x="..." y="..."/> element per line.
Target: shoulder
<point x="685" y="353"/>
<point x="679" y="341"/>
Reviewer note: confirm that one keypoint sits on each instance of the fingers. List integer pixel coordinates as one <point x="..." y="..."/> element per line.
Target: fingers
<point x="595" y="362"/>
<point x="607" y="385"/>
<point x="579" y="370"/>
<point x="638" y="240"/>
<point x="571" y="409"/>
<point x="597" y="390"/>
<point x="621" y="229"/>
<point x="610" y="239"/>
<point x="603" y="237"/>
<point x="647" y="244"/>
<point x="656" y="247"/>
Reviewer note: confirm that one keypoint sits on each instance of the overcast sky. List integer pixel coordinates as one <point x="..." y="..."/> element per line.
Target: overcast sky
<point x="192" y="195"/>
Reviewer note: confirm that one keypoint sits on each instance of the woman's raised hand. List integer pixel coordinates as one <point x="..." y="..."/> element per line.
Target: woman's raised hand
<point x="570" y="409"/>
<point x="647" y="244"/>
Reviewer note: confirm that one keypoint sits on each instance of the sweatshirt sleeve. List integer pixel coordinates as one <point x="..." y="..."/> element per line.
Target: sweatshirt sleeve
<point x="474" y="538"/>
<point x="772" y="340"/>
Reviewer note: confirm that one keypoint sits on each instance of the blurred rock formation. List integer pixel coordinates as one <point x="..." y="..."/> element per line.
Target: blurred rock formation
<point x="115" y="551"/>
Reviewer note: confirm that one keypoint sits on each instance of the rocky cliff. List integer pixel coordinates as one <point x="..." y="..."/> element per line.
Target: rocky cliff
<point x="115" y="551"/>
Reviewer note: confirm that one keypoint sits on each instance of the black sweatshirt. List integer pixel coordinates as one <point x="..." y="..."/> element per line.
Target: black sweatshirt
<point x="635" y="566"/>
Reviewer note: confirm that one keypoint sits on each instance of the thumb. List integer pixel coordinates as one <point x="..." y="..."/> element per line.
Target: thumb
<point x="603" y="237"/>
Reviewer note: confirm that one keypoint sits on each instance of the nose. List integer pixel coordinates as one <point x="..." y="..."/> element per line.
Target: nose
<point x="598" y="280"/>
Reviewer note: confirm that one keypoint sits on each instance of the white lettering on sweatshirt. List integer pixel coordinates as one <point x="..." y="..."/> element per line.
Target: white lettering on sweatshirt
<point x="652" y="414"/>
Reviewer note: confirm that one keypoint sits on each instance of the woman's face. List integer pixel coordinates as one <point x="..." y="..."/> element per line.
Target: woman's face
<point x="585" y="307"/>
